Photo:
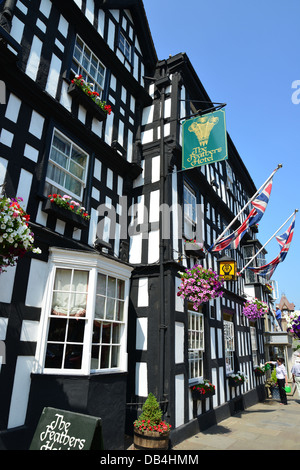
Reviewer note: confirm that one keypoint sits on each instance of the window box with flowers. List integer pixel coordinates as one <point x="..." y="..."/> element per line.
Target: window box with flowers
<point x="199" y="285"/>
<point x="66" y="209"/>
<point x="237" y="379"/>
<point x="193" y="248"/>
<point x="202" y="390"/>
<point x="82" y="91"/>
<point x="16" y="238"/>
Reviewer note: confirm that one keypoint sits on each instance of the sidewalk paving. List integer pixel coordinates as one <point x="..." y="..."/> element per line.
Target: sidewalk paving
<point x="264" y="426"/>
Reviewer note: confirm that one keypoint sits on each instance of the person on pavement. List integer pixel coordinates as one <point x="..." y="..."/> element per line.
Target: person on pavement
<point x="296" y="375"/>
<point x="281" y="376"/>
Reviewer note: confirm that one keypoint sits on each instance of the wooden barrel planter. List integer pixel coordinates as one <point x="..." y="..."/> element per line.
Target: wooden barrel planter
<point x="148" y="440"/>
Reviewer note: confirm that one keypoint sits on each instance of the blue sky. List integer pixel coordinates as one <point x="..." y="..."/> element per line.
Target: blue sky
<point x="247" y="55"/>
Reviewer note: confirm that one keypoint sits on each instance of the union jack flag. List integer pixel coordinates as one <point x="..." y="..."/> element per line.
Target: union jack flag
<point x="259" y="206"/>
<point x="284" y="240"/>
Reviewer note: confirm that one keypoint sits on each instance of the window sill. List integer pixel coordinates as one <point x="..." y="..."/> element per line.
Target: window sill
<point x="83" y="99"/>
<point x="192" y="249"/>
<point x="64" y="214"/>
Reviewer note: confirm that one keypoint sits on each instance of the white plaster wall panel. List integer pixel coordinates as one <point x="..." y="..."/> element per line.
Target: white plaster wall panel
<point x="17" y="29"/>
<point x="45" y="7"/>
<point x="141" y="379"/>
<point x="222" y="385"/>
<point x="97" y="169"/>
<point x="147" y="136"/>
<point x="20" y="394"/>
<point x="121" y="133"/>
<point x="3" y="169"/>
<point x="78" y="3"/>
<point x="38" y="275"/>
<point x="179" y="343"/>
<point x="153" y="246"/>
<point x="41" y="25"/>
<point x="97" y="127"/>
<point x="13" y="108"/>
<point x="6" y="138"/>
<point x="53" y="76"/>
<point x="136" y="66"/>
<point x="41" y="217"/>
<point x="147" y="116"/>
<point x="60" y="226"/>
<point x="220" y="342"/>
<point x="213" y="354"/>
<point x="129" y="146"/>
<point x="96" y="194"/>
<point x="89" y="11"/>
<point x="117" y="239"/>
<point x="179" y="402"/>
<point x="179" y="303"/>
<point x="7" y="284"/>
<point x="155" y="170"/>
<point x="109" y="128"/>
<point x="29" y="331"/>
<point x="142" y="334"/>
<point x="65" y="99"/>
<point x="154" y="206"/>
<point x="36" y="124"/>
<point x="34" y="58"/>
<point x="214" y="381"/>
<point x="63" y="26"/>
<point x="135" y="250"/>
<point x="109" y="179"/>
<point x="3" y="328"/>
<point x="143" y="292"/>
<point x="24" y="187"/>
<point x="139" y="181"/>
<point x="120" y="186"/>
<point x="93" y="226"/>
<point x="175" y="221"/>
<point x="111" y="35"/>
<point x="22" y="7"/>
<point x="101" y="20"/>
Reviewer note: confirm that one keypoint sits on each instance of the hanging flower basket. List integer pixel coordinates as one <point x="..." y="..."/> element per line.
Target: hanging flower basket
<point x="193" y="248"/>
<point x="16" y="238"/>
<point x="204" y="389"/>
<point x="254" y="309"/>
<point x="237" y="379"/>
<point x="199" y="285"/>
<point x="293" y="324"/>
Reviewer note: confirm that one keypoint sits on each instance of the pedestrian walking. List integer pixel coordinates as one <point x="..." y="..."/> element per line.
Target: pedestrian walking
<point x="296" y="375"/>
<point x="281" y="376"/>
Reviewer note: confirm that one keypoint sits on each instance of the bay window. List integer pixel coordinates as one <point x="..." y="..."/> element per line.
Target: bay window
<point x="85" y="315"/>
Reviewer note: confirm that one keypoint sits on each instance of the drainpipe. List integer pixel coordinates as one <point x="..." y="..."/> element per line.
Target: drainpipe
<point x="161" y="85"/>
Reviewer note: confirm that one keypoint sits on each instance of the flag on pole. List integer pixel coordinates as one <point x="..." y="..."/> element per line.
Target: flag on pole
<point x="284" y="240"/>
<point x="259" y="206"/>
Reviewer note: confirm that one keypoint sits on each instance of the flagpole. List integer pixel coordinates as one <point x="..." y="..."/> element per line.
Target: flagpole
<point x="296" y="210"/>
<point x="250" y="200"/>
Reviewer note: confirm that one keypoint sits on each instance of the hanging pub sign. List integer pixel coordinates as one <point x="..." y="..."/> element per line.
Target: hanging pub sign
<point x="204" y="140"/>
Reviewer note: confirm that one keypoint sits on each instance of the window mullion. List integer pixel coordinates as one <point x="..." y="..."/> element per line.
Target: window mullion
<point x="88" y="333"/>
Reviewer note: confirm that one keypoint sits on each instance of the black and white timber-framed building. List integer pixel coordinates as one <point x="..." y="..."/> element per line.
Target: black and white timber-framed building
<point x="127" y="333"/>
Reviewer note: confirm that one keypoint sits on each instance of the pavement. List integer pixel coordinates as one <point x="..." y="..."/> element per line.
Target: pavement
<point x="267" y="425"/>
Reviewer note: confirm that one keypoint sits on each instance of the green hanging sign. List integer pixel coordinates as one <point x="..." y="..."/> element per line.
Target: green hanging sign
<point x="204" y="140"/>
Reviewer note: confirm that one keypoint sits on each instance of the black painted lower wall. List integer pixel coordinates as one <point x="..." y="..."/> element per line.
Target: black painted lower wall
<point x="103" y="396"/>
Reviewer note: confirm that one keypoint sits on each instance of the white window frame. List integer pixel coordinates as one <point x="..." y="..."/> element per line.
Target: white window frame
<point x="229" y="346"/>
<point x="85" y="68"/>
<point x="254" y="345"/>
<point x="125" y="47"/>
<point x="82" y="181"/>
<point x="196" y="345"/>
<point x="190" y="211"/>
<point x="94" y="264"/>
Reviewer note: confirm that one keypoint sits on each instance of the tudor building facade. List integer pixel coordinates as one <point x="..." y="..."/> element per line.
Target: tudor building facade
<point x="94" y="323"/>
